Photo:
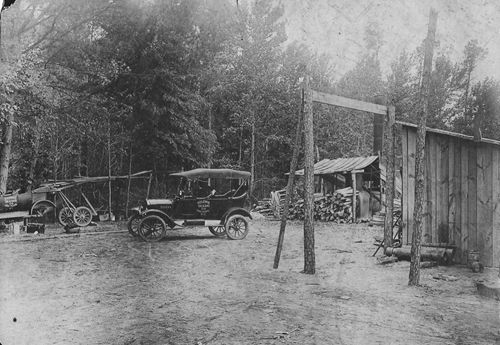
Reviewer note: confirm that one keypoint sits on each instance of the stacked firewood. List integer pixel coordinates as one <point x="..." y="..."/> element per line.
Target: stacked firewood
<point x="264" y="207"/>
<point x="336" y="207"/>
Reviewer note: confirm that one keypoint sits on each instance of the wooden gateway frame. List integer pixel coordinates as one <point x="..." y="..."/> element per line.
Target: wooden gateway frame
<point x="389" y="113"/>
<point x="310" y="96"/>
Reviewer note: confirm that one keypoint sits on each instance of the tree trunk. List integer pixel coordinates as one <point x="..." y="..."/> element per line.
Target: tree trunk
<point x="56" y="152"/>
<point x="109" y="169"/>
<point x="252" y="158"/>
<point x="309" y="257"/>
<point x="129" y="180"/>
<point x="290" y="184"/>
<point x="241" y="147"/>
<point x="1" y="49"/>
<point x="414" y="276"/>
<point x="5" y="152"/>
<point x="389" y="188"/>
<point x="210" y="129"/>
<point x="36" y="150"/>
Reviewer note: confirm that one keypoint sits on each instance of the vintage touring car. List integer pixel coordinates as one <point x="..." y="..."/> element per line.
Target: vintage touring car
<point x="197" y="203"/>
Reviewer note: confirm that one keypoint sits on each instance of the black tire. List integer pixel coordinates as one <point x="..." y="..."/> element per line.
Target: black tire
<point x="152" y="228"/>
<point x="218" y="231"/>
<point x="133" y="224"/>
<point x="82" y="216"/>
<point x="65" y="216"/>
<point x="237" y="227"/>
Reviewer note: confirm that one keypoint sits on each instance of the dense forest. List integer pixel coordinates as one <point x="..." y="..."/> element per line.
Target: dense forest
<point x="165" y="85"/>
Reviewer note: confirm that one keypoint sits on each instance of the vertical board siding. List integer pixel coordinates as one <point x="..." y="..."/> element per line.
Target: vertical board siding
<point x="404" y="203"/>
<point x="437" y="189"/>
<point x="427" y="200"/>
<point x="462" y="194"/>
<point x="451" y="191"/>
<point x="496" y="208"/>
<point x="484" y="205"/>
<point x="464" y="177"/>
<point x="431" y="163"/>
<point x="457" y="195"/>
<point x="443" y="229"/>
<point x="472" y="198"/>
<point x="412" y="148"/>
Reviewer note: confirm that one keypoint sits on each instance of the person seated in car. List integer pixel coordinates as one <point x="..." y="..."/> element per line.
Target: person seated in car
<point x="204" y="189"/>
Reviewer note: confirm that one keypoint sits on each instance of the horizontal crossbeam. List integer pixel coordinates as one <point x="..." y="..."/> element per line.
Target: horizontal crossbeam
<point x="350" y="103"/>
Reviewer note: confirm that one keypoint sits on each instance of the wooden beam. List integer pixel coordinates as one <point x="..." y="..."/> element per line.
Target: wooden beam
<point x="350" y="103"/>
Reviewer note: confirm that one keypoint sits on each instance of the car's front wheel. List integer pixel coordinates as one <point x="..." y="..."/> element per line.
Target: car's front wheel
<point x="152" y="228"/>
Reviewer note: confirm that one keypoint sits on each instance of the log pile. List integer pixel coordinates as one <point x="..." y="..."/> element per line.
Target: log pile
<point x="336" y="207"/>
<point x="264" y="207"/>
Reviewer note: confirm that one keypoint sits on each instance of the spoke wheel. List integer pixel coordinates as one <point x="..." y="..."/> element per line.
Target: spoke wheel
<point x="133" y="224"/>
<point x="82" y="216"/>
<point x="152" y="228"/>
<point x="43" y="211"/>
<point x="218" y="231"/>
<point x="237" y="227"/>
<point x="65" y="216"/>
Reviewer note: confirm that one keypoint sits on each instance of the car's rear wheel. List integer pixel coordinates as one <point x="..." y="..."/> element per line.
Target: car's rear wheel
<point x="133" y="224"/>
<point x="218" y="231"/>
<point x="237" y="227"/>
<point x="152" y="228"/>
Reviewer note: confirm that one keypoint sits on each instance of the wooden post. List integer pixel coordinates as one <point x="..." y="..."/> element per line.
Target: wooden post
<point x="309" y="256"/>
<point x="389" y="180"/>
<point x="290" y="184"/>
<point x="414" y="276"/>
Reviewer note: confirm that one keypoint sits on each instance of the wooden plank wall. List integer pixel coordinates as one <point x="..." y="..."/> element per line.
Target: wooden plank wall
<point x="462" y="194"/>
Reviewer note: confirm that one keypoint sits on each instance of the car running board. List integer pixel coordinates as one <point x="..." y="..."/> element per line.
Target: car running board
<point x="202" y="222"/>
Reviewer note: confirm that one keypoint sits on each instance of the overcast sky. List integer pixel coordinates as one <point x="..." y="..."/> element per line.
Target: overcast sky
<point x="337" y="27"/>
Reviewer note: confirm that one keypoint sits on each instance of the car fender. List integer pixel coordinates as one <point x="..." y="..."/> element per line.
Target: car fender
<point x="135" y="210"/>
<point x="40" y="202"/>
<point x="233" y="211"/>
<point x="168" y="220"/>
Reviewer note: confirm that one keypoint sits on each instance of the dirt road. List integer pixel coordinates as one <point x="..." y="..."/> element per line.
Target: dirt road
<point x="194" y="288"/>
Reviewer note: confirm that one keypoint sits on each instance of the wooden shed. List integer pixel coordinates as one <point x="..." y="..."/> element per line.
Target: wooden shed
<point x="462" y="192"/>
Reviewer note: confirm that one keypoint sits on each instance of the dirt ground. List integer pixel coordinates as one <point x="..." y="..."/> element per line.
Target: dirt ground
<point x="193" y="288"/>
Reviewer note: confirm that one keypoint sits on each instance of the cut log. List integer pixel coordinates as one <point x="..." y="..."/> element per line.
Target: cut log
<point x="439" y="254"/>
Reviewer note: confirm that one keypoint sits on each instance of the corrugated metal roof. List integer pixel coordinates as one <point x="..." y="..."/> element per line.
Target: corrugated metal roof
<point x="330" y="166"/>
